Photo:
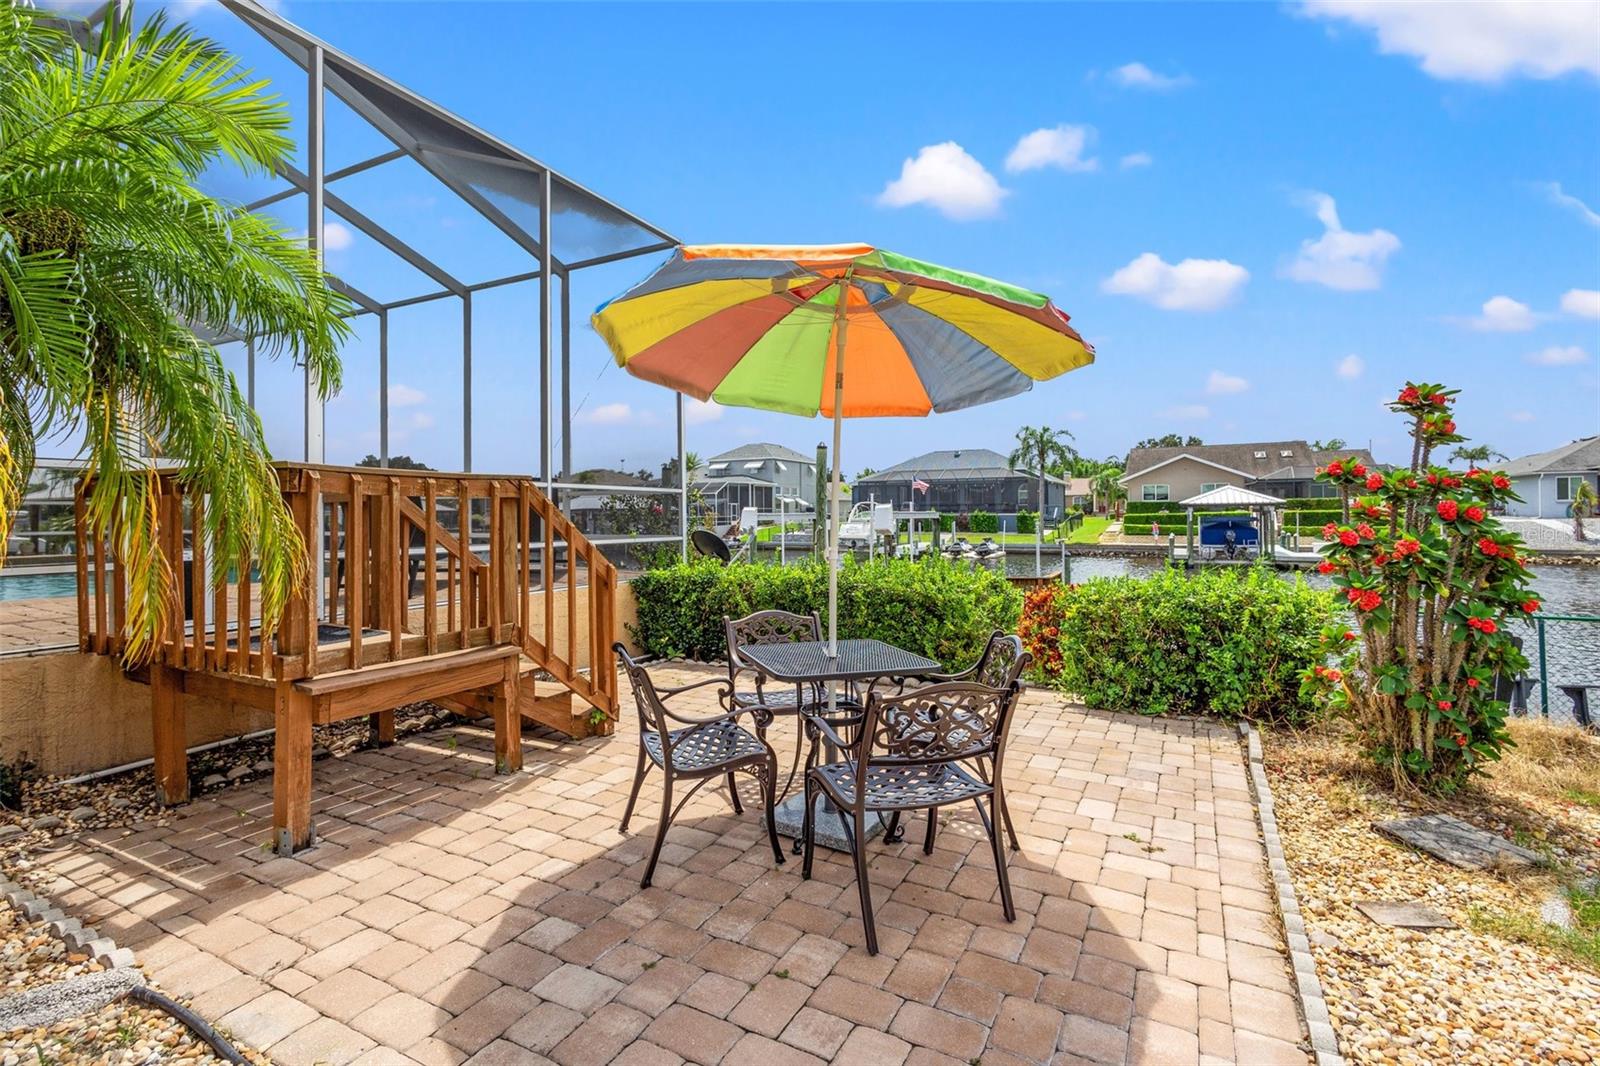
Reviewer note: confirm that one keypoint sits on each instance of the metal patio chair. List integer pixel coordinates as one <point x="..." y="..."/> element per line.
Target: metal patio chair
<point x="1000" y="666"/>
<point x="704" y="749"/>
<point x="907" y="755"/>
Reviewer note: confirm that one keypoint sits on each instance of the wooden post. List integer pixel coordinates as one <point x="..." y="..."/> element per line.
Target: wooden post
<point x="291" y="771"/>
<point x="380" y="727"/>
<point x="400" y="593"/>
<point x="197" y="581"/>
<point x="507" y="721"/>
<point x="355" y="570"/>
<point x="505" y="555"/>
<point x="170" y="731"/>
<point x="496" y="573"/>
<point x="430" y="511"/>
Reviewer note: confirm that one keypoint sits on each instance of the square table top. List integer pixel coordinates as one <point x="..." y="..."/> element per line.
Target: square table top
<point x="858" y="660"/>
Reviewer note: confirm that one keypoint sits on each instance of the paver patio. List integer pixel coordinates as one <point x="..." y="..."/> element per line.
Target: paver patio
<point x="450" y="915"/>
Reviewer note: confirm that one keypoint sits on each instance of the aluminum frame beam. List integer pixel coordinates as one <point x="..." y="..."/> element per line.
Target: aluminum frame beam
<point x="342" y="172"/>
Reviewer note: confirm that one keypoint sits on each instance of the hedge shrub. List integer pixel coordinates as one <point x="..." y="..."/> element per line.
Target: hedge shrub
<point x="1225" y="642"/>
<point x="983" y="522"/>
<point x="1027" y="521"/>
<point x="947" y="523"/>
<point x="940" y="609"/>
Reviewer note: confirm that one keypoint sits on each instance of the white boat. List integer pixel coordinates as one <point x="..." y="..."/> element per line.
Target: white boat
<point x="988" y="549"/>
<point x="959" y="549"/>
<point x="856" y="530"/>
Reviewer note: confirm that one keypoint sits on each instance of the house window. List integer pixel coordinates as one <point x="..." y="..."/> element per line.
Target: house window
<point x="1567" y="488"/>
<point x="1261" y="455"/>
<point x="1151" y="493"/>
<point x="1321" y="489"/>
<point x="1209" y="485"/>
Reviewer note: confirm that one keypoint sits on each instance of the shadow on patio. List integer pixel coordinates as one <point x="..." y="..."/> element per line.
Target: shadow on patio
<point x="448" y="913"/>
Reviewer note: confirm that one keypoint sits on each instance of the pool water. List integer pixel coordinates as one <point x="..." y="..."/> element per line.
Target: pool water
<point x="16" y="585"/>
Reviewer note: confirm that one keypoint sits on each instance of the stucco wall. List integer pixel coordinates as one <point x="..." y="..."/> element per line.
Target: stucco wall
<point x="72" y="713"/>
<point x="1539" y="496"/>
<point x="1184" y="478"/>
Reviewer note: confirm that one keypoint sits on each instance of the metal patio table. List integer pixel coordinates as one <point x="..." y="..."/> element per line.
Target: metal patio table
<point x="807" y="662"/>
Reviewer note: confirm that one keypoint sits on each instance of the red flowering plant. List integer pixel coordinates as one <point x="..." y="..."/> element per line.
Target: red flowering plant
<point x="1429" y="578"/>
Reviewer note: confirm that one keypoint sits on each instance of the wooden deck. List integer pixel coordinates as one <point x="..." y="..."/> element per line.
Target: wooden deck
<point x="423" y="586"/>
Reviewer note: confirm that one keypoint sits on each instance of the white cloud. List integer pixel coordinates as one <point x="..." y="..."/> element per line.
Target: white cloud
<point x="698" y="412"/>
<point x="1555" y="194"/>
<point x="1075" y="416"/>
<point x="402" y="395"/>
<point x="1188" y="411"/>
<point x="1585" y="303"/>
<point x="1192" y="285"/>
<point x="1061" y="147"/>
<point x="1138" y="76"/>
<point x="1521" y="416"/>
<point x="1135" y="159"/>
<point x="1220" y="384"/>
<point x="607" y="414"/>
<point x="1351" y="367"/>
<point x="946" y="178"/>
<point x="1339" y="258"/>
<point x="336" y="236"/>
<point x="1559" y="355"/>
<point x="1484" y="40"/>
<point x="421" y="420"/>
<point x="1502" y="314"/>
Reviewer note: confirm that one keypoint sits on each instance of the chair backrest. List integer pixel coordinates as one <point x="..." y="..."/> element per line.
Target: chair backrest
<point x="767" y="627"/>
<point x="1002" y="662"/>
<point x="652" y="715"/>
<point x="935" y="724"/>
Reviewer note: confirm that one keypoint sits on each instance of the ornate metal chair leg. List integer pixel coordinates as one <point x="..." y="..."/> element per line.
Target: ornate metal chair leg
<point x="1005" y="815"/>
<point x="859" y="852"/>
<point x="661" y="832"/>
<point x="733" y="794"/>
<point x="769" y="788"/>
<point x="991" y="822"/>
<point x="933" y="829"/>
<point x="894" y="832"/>
<point x="808" y="831"/>
<point x="633" y="797"/>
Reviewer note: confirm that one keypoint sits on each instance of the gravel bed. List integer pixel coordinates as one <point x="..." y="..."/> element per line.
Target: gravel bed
<point x="1444" y="996"/>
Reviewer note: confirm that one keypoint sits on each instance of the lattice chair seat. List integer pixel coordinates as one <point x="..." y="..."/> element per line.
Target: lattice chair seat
<point x="892" y="787"/>
<point x="706" y="747"/>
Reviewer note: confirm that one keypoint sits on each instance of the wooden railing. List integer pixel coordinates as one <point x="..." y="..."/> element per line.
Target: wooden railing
<point x="404" y="563"/>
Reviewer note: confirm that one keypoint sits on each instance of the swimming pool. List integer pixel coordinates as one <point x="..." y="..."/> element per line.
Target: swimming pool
<point x="15" y="585"/>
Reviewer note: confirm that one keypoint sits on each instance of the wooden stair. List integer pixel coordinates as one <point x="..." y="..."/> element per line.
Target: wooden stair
<point x="542" y="701"/>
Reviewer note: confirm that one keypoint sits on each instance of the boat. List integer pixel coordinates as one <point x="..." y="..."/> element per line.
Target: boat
<point x="959" y="549"/>
<point x="988" y="549"/>
<point x="856" y="530"/>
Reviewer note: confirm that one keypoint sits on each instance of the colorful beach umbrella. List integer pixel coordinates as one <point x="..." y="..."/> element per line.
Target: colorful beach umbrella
<point x="845" y="331"/>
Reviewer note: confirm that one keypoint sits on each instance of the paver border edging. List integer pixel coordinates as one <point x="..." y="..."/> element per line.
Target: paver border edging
<point x="70" y="931"/>
<point x="1308" y="987"/>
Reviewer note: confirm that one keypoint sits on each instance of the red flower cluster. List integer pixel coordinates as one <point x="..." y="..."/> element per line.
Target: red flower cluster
<point x="1445" y="705"/>
<point x="1406" y="546"/>
<point x="1365" y="531"/>
<point x="1328" y="673"/>
<point x="1488" y="547"/>
<point x="1476" y="513"/>
<point x="1529" y="606"/>
<point x="1409" y="394"/>
<point x="1359" y="469"/>
<point x="1448" y="510"/>
<point x="1325" y="567"/>
<point x="1330" y="531"/>
<point x="1482" y="625"/>
<point x="1374" y="482"/>
<point x="1365" y="599"/>
<point x="1349" y="634"/>
<point x="1472" y="682"/>
<point x="1501" y="481"/>
<point x="1335" y="468"/>
<point x="1349" y="537"/>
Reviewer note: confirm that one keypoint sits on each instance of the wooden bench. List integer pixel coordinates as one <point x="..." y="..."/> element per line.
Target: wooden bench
<point x="377" y="690"/>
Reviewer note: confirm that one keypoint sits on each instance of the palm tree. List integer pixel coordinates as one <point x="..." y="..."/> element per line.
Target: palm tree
<point x="1583" y="506"/>
<point x="111" y="259"/>
<point x="1107" y="489"/>
<point x="1041" y="448"/>
<point x="1478" y="453"/>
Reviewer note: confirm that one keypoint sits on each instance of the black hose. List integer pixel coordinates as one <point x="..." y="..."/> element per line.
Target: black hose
<point x="201" y="1028"/>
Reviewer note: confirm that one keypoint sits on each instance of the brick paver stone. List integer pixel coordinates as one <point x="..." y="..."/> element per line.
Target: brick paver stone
<point x="452" y="915"/>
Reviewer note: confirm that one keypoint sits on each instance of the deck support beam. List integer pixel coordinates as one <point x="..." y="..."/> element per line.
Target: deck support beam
<point x="507" y="722"/>
<point x="169" y="725"/>
<point x="291" y="770"/>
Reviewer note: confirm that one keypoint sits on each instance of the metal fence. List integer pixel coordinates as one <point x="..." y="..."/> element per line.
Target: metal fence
<point x="1563" y="653"/>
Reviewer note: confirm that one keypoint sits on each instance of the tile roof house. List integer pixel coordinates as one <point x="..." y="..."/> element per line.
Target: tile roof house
<point x="1285" y="469"/>
<point x="963" y="480"/>
<point x="1548" y="481"/>
<point x="755" y="475"/>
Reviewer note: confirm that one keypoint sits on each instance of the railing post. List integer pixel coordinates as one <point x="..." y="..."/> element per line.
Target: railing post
<point x="504" y="555"/>
<point x="80" y="527"/>
<point x="1544" y="672"/>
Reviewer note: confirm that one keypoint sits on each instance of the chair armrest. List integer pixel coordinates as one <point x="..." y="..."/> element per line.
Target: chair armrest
<point x="668" y="693"/>
<point x="820" y="724"/>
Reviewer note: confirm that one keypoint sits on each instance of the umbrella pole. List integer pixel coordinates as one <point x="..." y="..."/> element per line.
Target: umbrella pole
<point x="840" y="324"/>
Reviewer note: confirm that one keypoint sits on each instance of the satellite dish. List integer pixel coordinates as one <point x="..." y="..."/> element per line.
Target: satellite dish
<point x="708" y="543"/>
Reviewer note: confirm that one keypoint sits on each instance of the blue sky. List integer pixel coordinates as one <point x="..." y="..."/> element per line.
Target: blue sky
<point x="1265" y="217"/>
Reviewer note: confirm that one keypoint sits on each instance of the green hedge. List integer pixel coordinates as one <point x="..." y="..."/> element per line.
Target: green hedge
<point x="1228" y="642"/>
<point x="983" y="522"/>
<point x="940" y="609"/>
<point x="1170" y="521"/>
<point x="1309" y="519"/>
<point x="1027" y="521"/>
<point x="947" y="523"/>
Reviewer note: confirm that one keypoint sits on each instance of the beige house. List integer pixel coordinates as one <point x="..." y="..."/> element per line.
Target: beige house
<point x="1285" y="469"/>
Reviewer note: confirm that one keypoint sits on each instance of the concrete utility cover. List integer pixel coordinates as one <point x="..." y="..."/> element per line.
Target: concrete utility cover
<point x="1404" y="915"/>
<point x="1458" y="843"/>
<point x="49" y="1004"/>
